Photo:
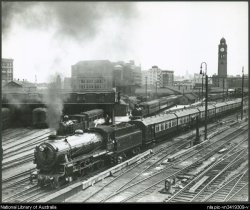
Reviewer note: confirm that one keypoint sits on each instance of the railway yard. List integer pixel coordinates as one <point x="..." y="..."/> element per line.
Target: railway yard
<point x="175" y="170"/>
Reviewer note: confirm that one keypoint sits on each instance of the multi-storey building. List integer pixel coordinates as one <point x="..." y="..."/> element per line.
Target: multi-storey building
<point x="7" y="70"/>
<point x="94" y="75"/>
<point x="157" y="77"/>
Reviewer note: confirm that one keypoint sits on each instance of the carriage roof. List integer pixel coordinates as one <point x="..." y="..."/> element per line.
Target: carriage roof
<point x="156" y="119"/>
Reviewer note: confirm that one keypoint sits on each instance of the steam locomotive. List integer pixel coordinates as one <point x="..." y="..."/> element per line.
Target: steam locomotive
<point x="61" y="160"/>
<point x="82" y="121"/>
<point x="69" y="123"/>
<point x="145" y="109"/>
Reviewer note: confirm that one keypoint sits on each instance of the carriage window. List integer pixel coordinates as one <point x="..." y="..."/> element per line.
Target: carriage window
<point x="159" y="127"/>
<point x="162" y="126"/>
<point x="169" y="124"/>
<point x="156" y="128"/>
<point x="166" y="125"/>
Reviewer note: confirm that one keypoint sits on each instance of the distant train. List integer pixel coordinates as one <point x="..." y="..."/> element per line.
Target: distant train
<point x="69" y="123"/>
<point x="145" y="109"/>
<point x="82" y="121"/>
<point x="60" y="160"/>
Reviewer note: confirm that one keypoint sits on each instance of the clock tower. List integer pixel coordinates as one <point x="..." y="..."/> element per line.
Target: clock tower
<point x="222" y="58"/>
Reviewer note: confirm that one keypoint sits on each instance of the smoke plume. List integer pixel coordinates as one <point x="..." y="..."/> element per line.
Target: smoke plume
<point x="54" y="103"/>
<point x="71" y="20"/>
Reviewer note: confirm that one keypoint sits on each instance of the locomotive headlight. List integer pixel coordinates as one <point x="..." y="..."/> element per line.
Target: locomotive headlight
<point x="41" y="148"/>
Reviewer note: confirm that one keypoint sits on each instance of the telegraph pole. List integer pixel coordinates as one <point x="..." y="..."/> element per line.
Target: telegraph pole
<point x="146" y="88"/>
<point x="242" y="93"/>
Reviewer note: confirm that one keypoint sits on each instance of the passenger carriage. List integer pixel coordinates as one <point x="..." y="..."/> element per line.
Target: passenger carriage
<point x="164" y="125"/>
<point x="147" y="128"/>
<point x="164" y="102"/>
<point x="92" y="115"/>
<point x="186" y="117"/>
<point x="152" y="107"/>
<point x="233" y="105"/>
<point x="211" y="112"/>
<point x="220" y="109"/>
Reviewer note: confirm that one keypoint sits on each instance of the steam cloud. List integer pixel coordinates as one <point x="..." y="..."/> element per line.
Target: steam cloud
<point x="54" y="103"/>
<point x="74" y="20"/>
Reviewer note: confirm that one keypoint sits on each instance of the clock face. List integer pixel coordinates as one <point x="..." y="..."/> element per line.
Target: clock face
<point x="222" y="49"/>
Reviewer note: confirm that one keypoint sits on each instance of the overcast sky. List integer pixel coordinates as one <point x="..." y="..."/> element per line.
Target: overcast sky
<point x="48" y="37"/>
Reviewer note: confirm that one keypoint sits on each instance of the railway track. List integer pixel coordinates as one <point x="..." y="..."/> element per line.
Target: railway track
<point x="138" y="190"/>
<point x="179" y="142"/>
<point x="33" y="193"/>
<point x="227" y="190"/>
<point x="12" y="164"/>
<point x="16" y="179"/>
<point x="19" y="145"/>
<point x="206" y="182"/>
<point x="12" y="141"/>
<point x="117" y="186"/>
<point x="17" y="161"/>
<point x="13" y="133"/>
<point x="141" y="167"/>
<point x="15" y="197"/>
<point x="240" y="195"/>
